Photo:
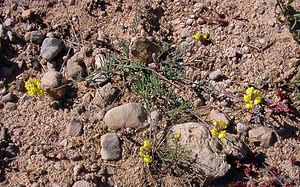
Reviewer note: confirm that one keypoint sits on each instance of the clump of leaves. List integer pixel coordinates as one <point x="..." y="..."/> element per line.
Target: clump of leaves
<point x="291" y="17"/>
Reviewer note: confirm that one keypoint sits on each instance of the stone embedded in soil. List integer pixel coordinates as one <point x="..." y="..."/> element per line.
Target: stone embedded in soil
<point x="51" y="47"/>
<point x="110" y="146"/>
<point x="215" y="75"/>
<point x="26" y="14"/>
<point x="233" y="147"/>
<point x="9" y="97"/>
<point x="206" y="151"/>
<point x="218" y="116"/>
<point x="82" y="183"/>
<point x="128" y="115"/>
<point x="141" y="50"/>
<point x="74" y="68"/>
<point x="10" y="106"/>
<point x="154" y="118"/>
<point x="108" y="93"/>
<point x="74" y="128"/>
<point x="78" y="169"/>
<point x="185" y="33"/>
<point x="242" y="128"/>
<point x="36" y="37"/>
<point x="51" y="81"/>
<point x="263" y="135"/>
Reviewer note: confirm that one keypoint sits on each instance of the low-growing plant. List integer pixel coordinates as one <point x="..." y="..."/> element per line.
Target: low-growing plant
<point x="34" y="88"/>
<point x="174" y="152"/>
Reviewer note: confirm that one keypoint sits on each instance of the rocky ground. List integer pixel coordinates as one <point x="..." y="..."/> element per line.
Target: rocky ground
<point x="116" y="73"/>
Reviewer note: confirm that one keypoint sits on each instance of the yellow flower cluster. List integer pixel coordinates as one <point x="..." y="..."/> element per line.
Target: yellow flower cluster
<point x="145" y="151"/>
<point x="201" y="36"/>
<point x="175" y="136"/>
<point x="33" y="87"/>
<point x="252" y="97"/>
<point x="219" y="129"/>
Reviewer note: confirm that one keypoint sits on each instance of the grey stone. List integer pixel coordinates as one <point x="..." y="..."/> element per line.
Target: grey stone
<point x="198" y="102"/>
<point x="263" y="135"/>
<point x="206" y="151"/>
<point x="128" y="115"/>
<point x="242" y="128"/>
<point x="108" y="93"/>
<point x="215" y="75"/>
<point x="110" y="146"/>
<point x="3" y="32"/>
<point x="8" y="22"/>
<point x="36" y="37"/>
<point x="190" y="21"/>
<point x="78" y="169"/>
<point x="261" y="8"/>
<point x="10" y="106"/>
<point x="197" y="7"/>
<point x="82" y="183"/>
<point x="52" y="79"/>
<point x="154" y="118"/>
<point x="234" y="147"/>
<point x="7" y="98"/>
<point x="185" y="33"/>
<point x="51" y="47"/>
<point x="74" y="68"/>
<point x="74" y="128"/>
<point x="218" y="116"/>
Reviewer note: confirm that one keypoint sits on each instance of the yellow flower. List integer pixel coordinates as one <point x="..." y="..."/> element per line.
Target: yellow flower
<point x="147" y="159"/>
<point x="252" y="97"/>
<point x="33" y="87"/>
<point x="148" y="144"/>
<point x="201" y="36"/>
<point x="177" y="136"/>
<point x="219" y="129"/>
<point x="197" y="35"/>
<point x="222" y="134"/>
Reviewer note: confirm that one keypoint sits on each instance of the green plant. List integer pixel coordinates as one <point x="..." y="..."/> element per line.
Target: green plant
<point x="291" y="17"/>
<point x="252" y="97"/>
<point x="145" y="151"/>
<point x="174" y="152"/>
<point x="147" y="87"/>
<point x="34" y="88"/>
<point x="219" y="129"/>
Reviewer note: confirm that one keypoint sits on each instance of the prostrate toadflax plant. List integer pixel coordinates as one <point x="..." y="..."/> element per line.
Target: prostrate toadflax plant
<point x="252" y="97"/>
<point x="34" y="88"/>
<point x="201" y="36"/>
<point x="219" y="129"/>
<point x="145" y="151"/>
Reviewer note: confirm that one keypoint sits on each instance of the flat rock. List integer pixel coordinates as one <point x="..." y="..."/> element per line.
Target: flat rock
<point x="110" y="146"/>
<point x="141" y="50"/>
<point x="215" y="115"/>
<point x="205" y="149"/>
<point x="127" y="115"/>
<point x="185" y="33"/>
<point x="51" y="48"/>
<point x="263" y="135"/>
<point x="10" y="106"/>
<point x="74" y="128"/>
<point x="108" y="94"/>
<point x="82" y="183"/>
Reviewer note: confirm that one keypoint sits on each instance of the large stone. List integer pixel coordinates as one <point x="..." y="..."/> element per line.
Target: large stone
<point x="141" y="50"/>
<point x="206" y="151"/>
<point x="263" y="135"/>
<point x="7" y="98"/>
<point x="110" y="146"/>
<point x="51" y="48"/>
<point x="127" y="115"/>
<point x="53" y="82"/>
<point x="75" y="66"/>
